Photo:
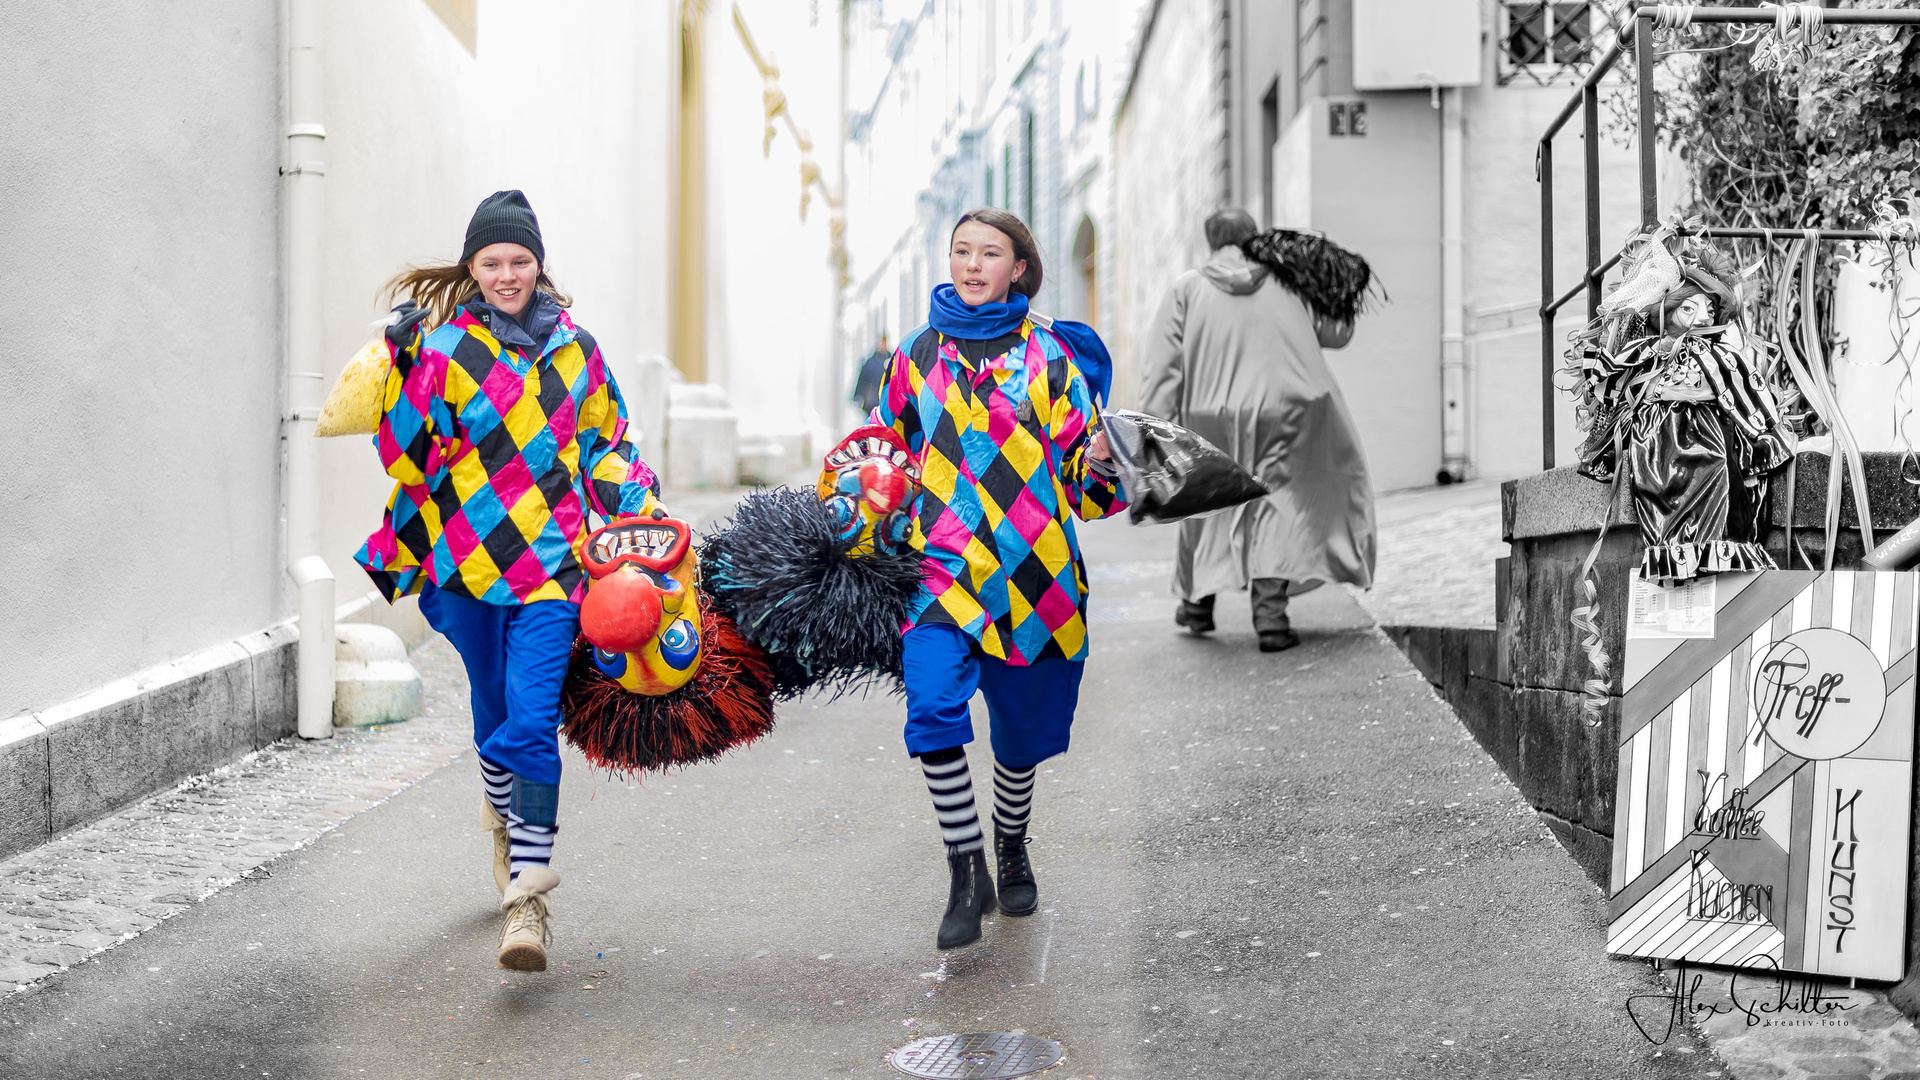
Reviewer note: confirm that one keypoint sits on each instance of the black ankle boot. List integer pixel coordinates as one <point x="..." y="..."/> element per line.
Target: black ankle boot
<point x="968" y="899"/>
<point x="1019" y="894"/>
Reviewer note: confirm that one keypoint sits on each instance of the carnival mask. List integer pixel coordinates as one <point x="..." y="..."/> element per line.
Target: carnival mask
<point x="868" y="485"/>
<point x="641" y="613"/>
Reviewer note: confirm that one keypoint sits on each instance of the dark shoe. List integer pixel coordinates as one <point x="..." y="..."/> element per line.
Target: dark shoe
<point x="968" y="899"/>
<point x="1278" y="640"/>
<point x="1198" y="620"/>
<point x="1019" y="894"/>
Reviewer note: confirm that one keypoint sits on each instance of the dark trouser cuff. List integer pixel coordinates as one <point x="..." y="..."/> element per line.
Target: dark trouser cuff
<point x="536" y="803"/>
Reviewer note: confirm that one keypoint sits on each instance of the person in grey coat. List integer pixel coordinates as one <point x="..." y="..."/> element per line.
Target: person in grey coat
<point x="1234" y="356"/>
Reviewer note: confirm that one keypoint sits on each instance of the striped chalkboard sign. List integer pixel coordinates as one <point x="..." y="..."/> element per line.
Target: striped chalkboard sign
<point x="1766" y="779"/>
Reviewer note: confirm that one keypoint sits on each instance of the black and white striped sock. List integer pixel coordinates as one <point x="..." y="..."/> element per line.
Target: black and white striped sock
<point x="499" y="785"/>
<point x="952" y="789"/>
<point x="1012" y="798"/>
<point x="532" y="845"/>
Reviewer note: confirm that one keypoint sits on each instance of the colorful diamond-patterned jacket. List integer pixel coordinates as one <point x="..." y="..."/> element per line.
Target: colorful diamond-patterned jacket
<point x="1002" y="444"/>
<point x="499" y="455"/>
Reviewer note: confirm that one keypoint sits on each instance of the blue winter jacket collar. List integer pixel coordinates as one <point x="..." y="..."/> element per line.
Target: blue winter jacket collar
<point x="956" y="318"/>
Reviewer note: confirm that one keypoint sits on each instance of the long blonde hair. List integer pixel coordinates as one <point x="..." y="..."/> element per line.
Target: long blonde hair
<point x="442" y="287"/>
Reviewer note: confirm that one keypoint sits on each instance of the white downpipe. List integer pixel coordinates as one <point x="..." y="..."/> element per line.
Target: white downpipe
<point x="306" y="170"/>
<point x="316" y="647"/>
<point x="1454" y="444"/>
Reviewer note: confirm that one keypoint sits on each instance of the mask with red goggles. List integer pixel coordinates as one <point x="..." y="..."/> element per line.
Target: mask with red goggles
<point x="868" y="484"/>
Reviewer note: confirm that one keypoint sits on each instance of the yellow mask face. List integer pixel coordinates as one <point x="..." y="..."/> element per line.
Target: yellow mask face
<point x="651" y="559"/>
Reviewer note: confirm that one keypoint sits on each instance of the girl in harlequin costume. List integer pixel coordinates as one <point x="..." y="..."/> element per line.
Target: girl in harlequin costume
<point x="504" y="430"/>
<point x="993" y="407"/>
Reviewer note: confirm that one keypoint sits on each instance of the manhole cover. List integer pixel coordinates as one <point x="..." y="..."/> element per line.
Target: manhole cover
<point x="979" y="1056"/>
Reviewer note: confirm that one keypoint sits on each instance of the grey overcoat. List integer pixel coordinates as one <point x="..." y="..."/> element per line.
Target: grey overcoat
<point x="1233" y="356"/>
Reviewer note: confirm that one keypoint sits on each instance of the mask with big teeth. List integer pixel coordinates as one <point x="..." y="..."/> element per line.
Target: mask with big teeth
<point x="641" y="614"/>
<point x="868" y="484"/>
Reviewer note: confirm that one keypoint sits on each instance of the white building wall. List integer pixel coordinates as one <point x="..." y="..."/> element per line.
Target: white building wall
<point x="1502" y="260"/>
<point x="776" y="350"/>
<point x="940" y="93"/>
<point x="139" y="426"/>
<point x="419" y="131"/>
<point x="1169" y="163"/>
<point x="1380" y="196"/>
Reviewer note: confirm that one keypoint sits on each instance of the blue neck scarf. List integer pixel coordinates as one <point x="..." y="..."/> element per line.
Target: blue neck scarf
<point x="956" y="318"/>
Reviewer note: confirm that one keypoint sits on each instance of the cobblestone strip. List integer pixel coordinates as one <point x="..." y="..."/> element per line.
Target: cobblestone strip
<point x="1437" y="569"/>
<point x="110" y="881"/>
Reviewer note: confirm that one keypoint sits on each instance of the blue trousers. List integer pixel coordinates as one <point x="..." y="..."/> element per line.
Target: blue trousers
<point x="516" y="658"/>
<point x="1029" y="709"/>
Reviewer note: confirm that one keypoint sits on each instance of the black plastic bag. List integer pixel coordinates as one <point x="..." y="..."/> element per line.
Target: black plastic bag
<point x="1170" y="473"/>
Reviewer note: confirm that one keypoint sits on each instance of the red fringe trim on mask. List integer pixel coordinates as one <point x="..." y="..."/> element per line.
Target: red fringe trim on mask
<point x="728" y="704"/>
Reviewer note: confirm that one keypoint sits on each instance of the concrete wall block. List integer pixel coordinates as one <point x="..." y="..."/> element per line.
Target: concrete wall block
<point x="1559" y="502"/>
<point x="101" y="761"/>
<point x="1502" y="586"/>
<point x="1486" y="709"/>
<point x="1453" y="662"/>
<point x="1421" y="644"/>
<point x="1483" y="653"/>
<point x="1894" y="502"/>
<point x="1543" y="649"/>
<point x="1567" y="766"/>
<point x="26" y="786"/>
<point x="276" y="707"/>
<point x="210" y="693"/>
<point x="1592" y="850"/>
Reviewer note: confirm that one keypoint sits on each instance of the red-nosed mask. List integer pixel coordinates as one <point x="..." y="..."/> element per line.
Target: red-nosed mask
<point x="640" y="613"/>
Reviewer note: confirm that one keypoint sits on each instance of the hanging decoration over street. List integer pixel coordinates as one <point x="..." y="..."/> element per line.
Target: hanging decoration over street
<point x="1765" y="785"/>
<point x="774" y="104"/>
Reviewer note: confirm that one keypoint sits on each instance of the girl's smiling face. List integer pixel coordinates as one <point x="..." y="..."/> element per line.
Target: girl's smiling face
<point x="506" y="273"/>
<point x="982" y="264"/>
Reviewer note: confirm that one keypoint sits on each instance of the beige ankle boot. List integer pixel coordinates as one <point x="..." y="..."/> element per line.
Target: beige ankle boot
<point x="524" y="940"/>
<point x="502" y="843"/>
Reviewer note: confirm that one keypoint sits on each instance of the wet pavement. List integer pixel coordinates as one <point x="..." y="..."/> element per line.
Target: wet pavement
<point x="1291" y="865"/>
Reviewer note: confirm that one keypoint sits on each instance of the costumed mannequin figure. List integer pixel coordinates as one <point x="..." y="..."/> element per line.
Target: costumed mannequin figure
<point x="504" y="430"/>
<point x="993" y="406"/>
<point x="1675" y="406"/>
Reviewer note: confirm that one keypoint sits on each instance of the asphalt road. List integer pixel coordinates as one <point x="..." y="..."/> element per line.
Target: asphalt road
<point x="1291" y="865"/>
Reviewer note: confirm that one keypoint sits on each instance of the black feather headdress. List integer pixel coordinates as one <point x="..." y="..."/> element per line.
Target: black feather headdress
<point x="1326" y="277"/>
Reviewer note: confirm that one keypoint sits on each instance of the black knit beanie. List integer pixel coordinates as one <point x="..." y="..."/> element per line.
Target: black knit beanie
<point x="504" y="218"/>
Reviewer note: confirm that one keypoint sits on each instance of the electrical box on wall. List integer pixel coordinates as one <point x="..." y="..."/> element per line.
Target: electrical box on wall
<point x="1411" y="44"/>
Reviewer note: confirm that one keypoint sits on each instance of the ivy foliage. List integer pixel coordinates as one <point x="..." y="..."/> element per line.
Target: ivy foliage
<point x="1827" y="140"/>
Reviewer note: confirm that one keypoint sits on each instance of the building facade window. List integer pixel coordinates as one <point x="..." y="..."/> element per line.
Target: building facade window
<point x="1546" y="43"/>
